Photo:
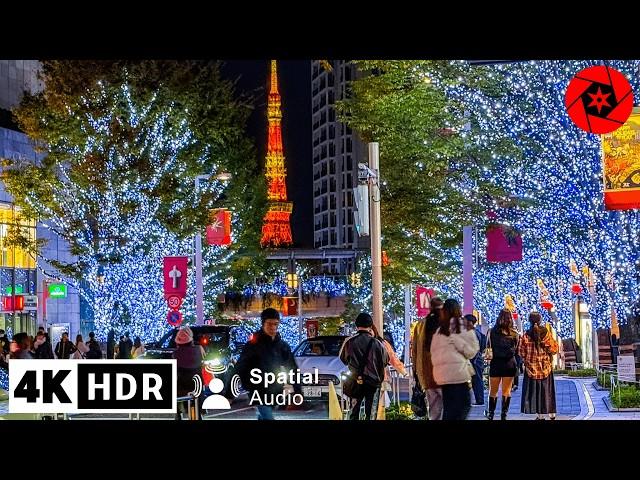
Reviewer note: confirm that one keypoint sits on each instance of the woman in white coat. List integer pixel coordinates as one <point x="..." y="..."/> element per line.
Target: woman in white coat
<point x="452" y="346"/>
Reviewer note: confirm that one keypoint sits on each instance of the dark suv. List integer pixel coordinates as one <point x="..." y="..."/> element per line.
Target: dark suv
<point x="222" y="347"/>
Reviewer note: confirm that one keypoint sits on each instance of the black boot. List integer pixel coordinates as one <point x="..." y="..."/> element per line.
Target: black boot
<point x="492" y="408"/>
<point x="505" y="407"/>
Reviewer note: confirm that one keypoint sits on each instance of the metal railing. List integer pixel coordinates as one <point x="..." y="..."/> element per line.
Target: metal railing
<point x="193" y="406"/>
<point x="615" y="384"/>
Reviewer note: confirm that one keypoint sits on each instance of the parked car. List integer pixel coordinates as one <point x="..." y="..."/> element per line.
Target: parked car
<point x="222" y="350"/>
<point x="321" y="353"/>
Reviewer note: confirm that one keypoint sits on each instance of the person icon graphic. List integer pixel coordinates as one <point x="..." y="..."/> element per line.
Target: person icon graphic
<point x="215" y="401"/>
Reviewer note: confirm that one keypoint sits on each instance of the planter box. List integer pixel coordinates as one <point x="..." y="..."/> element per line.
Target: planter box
<point x="607" y="402"/>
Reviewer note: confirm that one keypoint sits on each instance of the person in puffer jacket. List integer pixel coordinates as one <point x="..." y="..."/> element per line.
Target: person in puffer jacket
<point x="452" y="347"/>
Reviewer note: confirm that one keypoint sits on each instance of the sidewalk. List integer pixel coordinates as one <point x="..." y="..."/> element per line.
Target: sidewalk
<point x="576" y="399"/>
<point x="567" y="402"/>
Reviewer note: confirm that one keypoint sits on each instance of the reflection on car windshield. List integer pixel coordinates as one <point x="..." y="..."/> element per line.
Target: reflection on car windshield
<point x="326" y="347"/>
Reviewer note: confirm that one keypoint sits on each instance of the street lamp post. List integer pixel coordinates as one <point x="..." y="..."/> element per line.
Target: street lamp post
<point x="198" y="262"/>
<point x="223" y="177"/>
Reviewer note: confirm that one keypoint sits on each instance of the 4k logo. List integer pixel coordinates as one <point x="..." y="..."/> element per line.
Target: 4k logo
<point x="85" y="386"/>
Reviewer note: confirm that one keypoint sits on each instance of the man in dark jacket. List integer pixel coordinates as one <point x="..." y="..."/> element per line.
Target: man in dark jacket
<point x="95" y="352"/>
<point x="42" y="346"/>
<point x="364" y="353"/>
<point x="266" y="352"/>
<point x="124" y="347"/>
<point x="64" y="348"/>
<point x="478" y="361"/>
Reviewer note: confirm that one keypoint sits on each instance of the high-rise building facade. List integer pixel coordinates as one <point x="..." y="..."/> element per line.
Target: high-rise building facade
<point x="336" y="154"/>
<point x="20" y="273"/>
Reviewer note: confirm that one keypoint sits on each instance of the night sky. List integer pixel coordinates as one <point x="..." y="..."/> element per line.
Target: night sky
<point x="295" y="90"/>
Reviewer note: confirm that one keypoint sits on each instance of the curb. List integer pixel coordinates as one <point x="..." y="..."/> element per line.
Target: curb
<point x="597" y="386"/>
<point x="611" y="408"/>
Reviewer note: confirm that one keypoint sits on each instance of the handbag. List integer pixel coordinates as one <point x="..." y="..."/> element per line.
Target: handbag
<point x="488" y="352"/>
<point x="418" y="402"/>
<point x="353" y="386"/>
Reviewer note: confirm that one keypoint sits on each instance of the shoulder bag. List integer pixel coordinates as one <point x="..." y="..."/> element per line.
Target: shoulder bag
<point x="488" y="352"/>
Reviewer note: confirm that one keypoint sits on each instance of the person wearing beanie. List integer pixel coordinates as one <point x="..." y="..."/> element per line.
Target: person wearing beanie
<point x="267" y="352"/>
<point x="366" y="357"/>
<point x="189" y="357"/>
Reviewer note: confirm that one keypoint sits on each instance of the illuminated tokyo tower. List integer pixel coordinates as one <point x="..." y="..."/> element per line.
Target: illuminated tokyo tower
<point x="276" y="230"/>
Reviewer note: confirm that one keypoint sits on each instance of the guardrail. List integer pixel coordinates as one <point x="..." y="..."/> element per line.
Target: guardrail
<point x="192" y="410"/>
<point x="614" y="383"/>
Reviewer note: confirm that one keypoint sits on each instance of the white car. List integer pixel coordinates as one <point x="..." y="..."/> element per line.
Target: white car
<point x="321" y="353"/>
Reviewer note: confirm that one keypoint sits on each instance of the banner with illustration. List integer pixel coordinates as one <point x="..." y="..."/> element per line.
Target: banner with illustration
<point x="621" y="165"/>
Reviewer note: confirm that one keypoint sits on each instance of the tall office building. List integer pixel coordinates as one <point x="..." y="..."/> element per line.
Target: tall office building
<point x="20" y="273"/>
<point x="336" y="154"/>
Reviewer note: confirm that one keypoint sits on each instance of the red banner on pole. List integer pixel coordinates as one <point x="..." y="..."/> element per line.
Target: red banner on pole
<point x="423" y="300"/>
<point x="312" y="328"/>
<point x="175" y="276"/>
<point x="219" y="232"/>
<point x="503" y="244"/>
<point x="289" y="306"/>
<point x="621" y="165"/>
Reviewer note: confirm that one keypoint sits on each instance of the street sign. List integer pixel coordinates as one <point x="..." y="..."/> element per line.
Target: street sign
<point x="57" y="290"/>
<point x="174" y="317"/>
<point x="8" y="289"/>
<point x="174" y="302"/>
<point x="175" y="276"/>
<point x="30" y="303"/>
<point x="626" y="368"/>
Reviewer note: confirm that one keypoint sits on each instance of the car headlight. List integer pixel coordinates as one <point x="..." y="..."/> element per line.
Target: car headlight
<point x="345" y="374"/>
<point x="215" y="366"/>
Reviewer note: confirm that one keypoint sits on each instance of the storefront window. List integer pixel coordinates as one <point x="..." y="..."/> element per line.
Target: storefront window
<point x="17" y="270"/>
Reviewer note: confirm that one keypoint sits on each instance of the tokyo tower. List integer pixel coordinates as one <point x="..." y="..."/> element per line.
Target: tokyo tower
<point x="276" y="230"/>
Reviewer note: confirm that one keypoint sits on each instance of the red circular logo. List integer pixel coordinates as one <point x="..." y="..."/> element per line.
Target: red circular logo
<point x="599" y="99"/>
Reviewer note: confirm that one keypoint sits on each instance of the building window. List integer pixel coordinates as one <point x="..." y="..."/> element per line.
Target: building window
<point x="350" y="237"/>
<point x="349" y="163"/>
<point x="10" y="255"/>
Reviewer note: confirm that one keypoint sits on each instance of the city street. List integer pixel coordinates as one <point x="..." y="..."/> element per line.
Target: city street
<point x="576" y="399"/>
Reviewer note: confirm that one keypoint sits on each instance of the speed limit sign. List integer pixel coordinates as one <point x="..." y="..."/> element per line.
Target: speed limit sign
<point x="174" y="302"/>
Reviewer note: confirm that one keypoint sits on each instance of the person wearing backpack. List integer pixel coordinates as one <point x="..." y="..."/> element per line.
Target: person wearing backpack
<point x="367" y="358"/>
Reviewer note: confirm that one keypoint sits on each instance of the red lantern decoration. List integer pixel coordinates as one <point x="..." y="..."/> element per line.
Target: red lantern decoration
<point x="514" y="315"/>
<point x="576" y="289"/>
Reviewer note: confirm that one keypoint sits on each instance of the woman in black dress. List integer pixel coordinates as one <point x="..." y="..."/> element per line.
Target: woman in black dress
<point x="504" y="344"/>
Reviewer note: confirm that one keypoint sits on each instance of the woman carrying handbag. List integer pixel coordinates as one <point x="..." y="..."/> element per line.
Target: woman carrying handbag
<point x="501" y="349"/>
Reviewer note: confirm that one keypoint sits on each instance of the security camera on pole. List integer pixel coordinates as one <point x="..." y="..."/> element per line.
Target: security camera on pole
<point x="370" y="175"/>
